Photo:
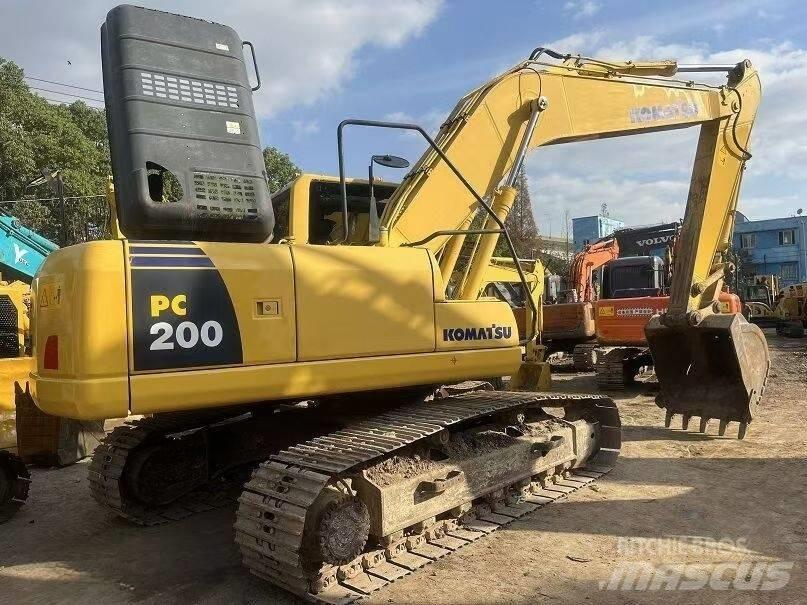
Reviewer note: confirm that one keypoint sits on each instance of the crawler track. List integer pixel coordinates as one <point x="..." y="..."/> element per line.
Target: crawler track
<point x="610" y="369"/>
<point x="109" y="489"/>
<point x="585" y="357"/>
<point x="617" y="367"/>
<point x="271" y="526"/>
<point x="14" y="484"/>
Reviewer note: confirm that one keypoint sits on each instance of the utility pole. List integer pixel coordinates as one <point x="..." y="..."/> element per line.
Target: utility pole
<point x="54" y="179"/>
<point x="567" y="229"/>
<point x="58" y="191"/>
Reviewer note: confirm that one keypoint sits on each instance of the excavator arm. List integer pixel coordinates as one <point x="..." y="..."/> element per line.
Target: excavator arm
<point x="592" y="257"/>
<point x="485" y="139"/>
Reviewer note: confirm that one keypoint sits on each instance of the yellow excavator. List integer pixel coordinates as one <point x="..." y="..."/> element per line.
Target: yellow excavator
<point x="15" y="365"/>
<point x="340" y="366"/>
<point x="501" y="280"/>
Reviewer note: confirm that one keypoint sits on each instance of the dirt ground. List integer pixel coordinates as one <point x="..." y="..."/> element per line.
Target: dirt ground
<point x="668" y="487"/>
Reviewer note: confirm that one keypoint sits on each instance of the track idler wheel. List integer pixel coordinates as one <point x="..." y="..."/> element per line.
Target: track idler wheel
<point x="715" y="369"/>
<point x="14" y="483"/>
<point x="341" y="527"/>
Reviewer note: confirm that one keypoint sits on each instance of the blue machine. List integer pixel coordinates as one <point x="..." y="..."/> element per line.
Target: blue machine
<point x="22" y="251"/>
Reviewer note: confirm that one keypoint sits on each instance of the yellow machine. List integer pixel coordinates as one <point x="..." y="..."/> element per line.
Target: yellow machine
<point x="332" y="360"/>
<point x="502" y="281"/>
<point x="791" y="310"/>
<point x="15" y="365"/>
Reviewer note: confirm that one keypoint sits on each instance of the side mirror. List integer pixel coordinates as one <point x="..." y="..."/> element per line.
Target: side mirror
<point x="373" y="222"/>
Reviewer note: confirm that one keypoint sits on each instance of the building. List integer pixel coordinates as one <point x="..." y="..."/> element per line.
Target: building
<point x="587" y="229"/>
<point x="775" y="246"/>
<point x="559" y="247"/>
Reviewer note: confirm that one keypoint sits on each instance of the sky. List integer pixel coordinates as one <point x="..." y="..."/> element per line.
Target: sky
<point x="411" y="60"/>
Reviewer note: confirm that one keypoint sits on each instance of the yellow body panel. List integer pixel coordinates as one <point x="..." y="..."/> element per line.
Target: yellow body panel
<point x="358" y="302"/>
<point x="459" y="326"/>
<point x="82" y="398"/>
<point x="79" y="295"/>
<point x="209" y="388"/>
<point x="192" y="325"/>
<point x="262" y="275"/>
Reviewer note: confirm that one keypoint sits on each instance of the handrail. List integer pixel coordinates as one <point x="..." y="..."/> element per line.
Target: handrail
<point x="502" y="228"/>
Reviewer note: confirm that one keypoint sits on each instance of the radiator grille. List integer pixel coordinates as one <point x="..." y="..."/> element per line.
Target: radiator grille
<point x="9" y="328"/>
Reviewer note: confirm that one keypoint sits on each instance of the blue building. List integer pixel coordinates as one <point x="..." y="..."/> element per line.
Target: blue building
<point x="587" y="229"/>
<point x="775" y="246"/>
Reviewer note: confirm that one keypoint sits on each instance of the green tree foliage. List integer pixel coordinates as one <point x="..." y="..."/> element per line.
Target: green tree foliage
<point x="34" y="135"/>
<point x="280" y="169"/>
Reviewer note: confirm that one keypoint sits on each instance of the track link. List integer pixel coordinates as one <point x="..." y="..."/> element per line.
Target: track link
<point x="585" y="357"/>
<point x="15" y="482"/>
<point x="617" y="367"/>
<point x="610" y="369"/>
<point x="107" y="486"/>
<point x="273" y="509"/>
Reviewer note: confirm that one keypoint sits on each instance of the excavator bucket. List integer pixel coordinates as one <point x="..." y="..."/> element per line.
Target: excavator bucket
<point x="715" y="370"/>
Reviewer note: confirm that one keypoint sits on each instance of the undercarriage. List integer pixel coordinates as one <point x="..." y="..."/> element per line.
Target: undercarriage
<point x="585" y="356"/>
<point x="342" y="504"/>
<point x="617" y="367"/>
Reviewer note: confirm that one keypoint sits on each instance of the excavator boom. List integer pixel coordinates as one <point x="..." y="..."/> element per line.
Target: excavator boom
<point x="725" y="365"/>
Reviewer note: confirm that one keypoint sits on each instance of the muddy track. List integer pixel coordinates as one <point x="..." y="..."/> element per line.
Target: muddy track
<point x="271" y="519"/>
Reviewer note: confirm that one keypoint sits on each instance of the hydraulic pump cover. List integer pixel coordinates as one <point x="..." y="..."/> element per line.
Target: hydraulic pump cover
<point x="182" y="129"/>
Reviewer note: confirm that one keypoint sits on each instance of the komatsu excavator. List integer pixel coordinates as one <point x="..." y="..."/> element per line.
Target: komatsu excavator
<point x="340" y="367"/>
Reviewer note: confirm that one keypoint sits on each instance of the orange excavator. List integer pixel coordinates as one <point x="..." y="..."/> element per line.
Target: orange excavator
<point x="570" y="324"/>
<point x="634" y="288"/>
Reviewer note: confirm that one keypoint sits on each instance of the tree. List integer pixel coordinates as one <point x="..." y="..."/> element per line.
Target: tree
<point x="280" y="169"/>
<point x="743" y="271"/>
<point x="35" y="135"/>
<point x="520" y="223"/>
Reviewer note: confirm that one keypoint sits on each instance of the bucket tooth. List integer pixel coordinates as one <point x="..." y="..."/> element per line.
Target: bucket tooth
<point x="743" y="429"/>
<point x="668" y="418"/>
<point x="703" y="425"/>
<point x="685" y="421"/>
<point x="722" y="428"/>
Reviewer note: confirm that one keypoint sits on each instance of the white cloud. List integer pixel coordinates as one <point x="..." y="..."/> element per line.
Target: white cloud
<point x="577" y="42"/>
<point x="632" y="200"/>
<point x="304" y="128"/>
<point x="430" y="120"/>
<point x="582" y="8"/>
<point x="306" y="50"/>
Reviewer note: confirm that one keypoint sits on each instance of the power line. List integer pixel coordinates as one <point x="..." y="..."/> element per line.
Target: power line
<point x="68" y="102"/>
<point x="52" y="199"/>
<point x="67" y="94"/>
<point x="62" y="84"/>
